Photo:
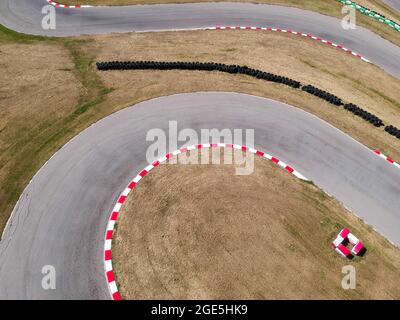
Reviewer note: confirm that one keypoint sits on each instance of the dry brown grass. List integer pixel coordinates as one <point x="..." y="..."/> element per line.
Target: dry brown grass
<point x="327" y="7"/>
<point x="37" y="88"/>
<point x="42" y="74"/>
<point x="186" y="233"/>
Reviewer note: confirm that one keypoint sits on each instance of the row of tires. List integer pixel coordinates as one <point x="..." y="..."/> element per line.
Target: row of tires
<point x="367" y="116"/>
<point x="200" y="66"/>
<point x="393" y="131"/>
<point x="211" y="66"/>
<point x="331" y="98"/>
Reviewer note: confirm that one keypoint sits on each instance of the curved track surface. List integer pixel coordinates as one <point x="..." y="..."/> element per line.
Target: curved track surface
<point x="25" y="16"/>
<point x="62" y="215"/>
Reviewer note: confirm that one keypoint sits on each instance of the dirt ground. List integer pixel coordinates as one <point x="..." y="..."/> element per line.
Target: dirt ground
<point x="42" y="73"/>
<point x="186" y="233"/>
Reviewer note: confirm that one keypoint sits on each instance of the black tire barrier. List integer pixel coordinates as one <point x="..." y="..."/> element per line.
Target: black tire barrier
<point x="393" y="131"/>
<point x="367" y="116"/>
<point x="331" y="98"/>
<point x="212" y="66"/>
<point x="199" y="66"/>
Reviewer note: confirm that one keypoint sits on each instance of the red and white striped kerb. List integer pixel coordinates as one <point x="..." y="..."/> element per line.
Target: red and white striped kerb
<point x="301" y="34"/>
<point x="60" y="5"/>
<point x="388" y="159"/>
<point x="121" y="199"/>
<point x="340" y="248"/>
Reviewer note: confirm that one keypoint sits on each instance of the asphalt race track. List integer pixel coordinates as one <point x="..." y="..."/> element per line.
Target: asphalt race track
<point x="61" y="217"/>
<point x="25" y="16"/>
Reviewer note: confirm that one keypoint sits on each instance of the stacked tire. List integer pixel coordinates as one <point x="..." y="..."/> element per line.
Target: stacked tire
<point x="367" y="116"/>
<point x="393" y="131"/>
<point x="331" y="98"/>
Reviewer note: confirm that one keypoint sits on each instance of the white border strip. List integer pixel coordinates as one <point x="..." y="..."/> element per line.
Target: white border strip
<point x="60" y="5"/>
<point x="388" y="159"/>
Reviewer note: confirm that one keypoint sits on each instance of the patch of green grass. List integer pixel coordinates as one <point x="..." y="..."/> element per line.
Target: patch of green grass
<point x="229" y="50"/>
<point x="326" y="222"/>
<point x="293" y="231"/>
<point x="30" y="150"/>
<point x="7" y="35"/>
<point x="316" y="197"/>
<point x="94" y="91"/>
